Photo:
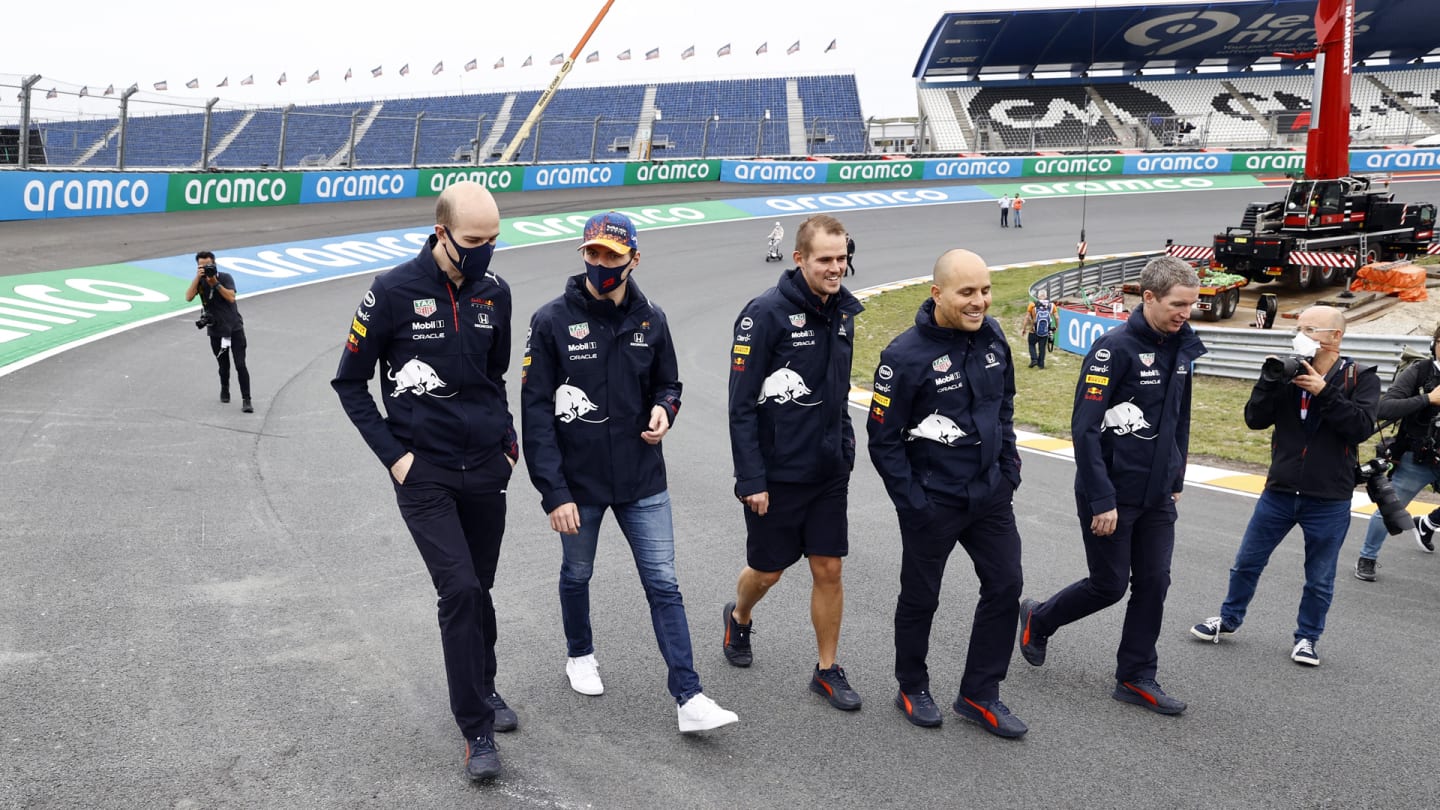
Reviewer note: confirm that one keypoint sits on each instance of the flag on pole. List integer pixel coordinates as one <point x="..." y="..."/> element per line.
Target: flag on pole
<point x="653" y="53"/>
<point x="376" y="72"/>
<point x="557" y="59"/>
<point x="314" y="77"/>
<point x="529" y="60"/>
<point x="85" y="91"/>
<point x="724" y="50"/>
<point x="349" y="72"/>
<point x="624" y="55"/>
<point x="248" y="79"/>
<point x="162" y="86"/>
<point x="282" y="79"/>
<point x="593" y="57"/>
<point x="439" y="67"/>
<point x="225" y="82"/>
<point x="405" y="69"/>
<point x="830" y="47"/>
<point x="193" y="84"/>
<point x="500" y="63"/>
<point x="688" y="52"/>
<point x="793" y="49"/>
<point x="763" y="49"/>
<point x="110" y="91"/>
<point x="52" y="94"/>
<point x="475" y="63"/>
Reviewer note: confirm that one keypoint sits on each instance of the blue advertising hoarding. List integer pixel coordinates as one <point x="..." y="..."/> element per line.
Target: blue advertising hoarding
<point x="42" y="195"/>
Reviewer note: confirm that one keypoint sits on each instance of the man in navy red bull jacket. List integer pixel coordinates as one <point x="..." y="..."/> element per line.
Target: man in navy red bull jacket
<point x="1131" y="428"/>
<point x="793" y="444"/>
<point x="599" y="390"/>
<point x="439" y="328"/>
<point x="942" y="436"/>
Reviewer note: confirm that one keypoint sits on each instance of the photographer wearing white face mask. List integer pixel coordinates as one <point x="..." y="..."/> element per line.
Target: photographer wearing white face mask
<point x="1414" y="399"/>
<point x="1321" y="405"/>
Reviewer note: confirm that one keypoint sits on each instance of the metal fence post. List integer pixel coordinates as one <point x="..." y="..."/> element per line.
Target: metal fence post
<point x="205" y="135"/>
<point x="595" y="136"/>
<point x="284" y="126"/>
<point x="705" y="133"/>
<point x="535" y="148"/>
<point x="415" y="144"/>
<point x="350" y="155"/>
<point x="124" y="121"/>
<point x="25" y="86"/>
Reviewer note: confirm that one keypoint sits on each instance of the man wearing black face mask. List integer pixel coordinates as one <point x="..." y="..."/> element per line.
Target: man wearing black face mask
<point x="439" y="326"/>
<point x="223" y="324"/>
<point x="599" y="390"/>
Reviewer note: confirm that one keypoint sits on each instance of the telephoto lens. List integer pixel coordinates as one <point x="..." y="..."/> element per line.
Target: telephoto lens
<point x="1281" y="369"/>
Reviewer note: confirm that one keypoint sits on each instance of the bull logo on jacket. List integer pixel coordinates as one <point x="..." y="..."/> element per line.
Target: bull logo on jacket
<point x="1124" y="420"/>
<point x="937" y="428"/>
<point x="418" y="378"/>
<point x="573" y="403"/>
<point x="784" y="385"/>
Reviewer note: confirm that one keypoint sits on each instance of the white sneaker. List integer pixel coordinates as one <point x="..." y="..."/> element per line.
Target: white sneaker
<point x="1304" y="653"/>
<point x="584" y="674"/>
<point x="700" y="713"/>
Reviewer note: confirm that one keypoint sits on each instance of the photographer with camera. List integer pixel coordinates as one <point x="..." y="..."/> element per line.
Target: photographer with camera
<point x="1414" y="399"/>
<point x="222" y="322"/>
<point x="1321" y="405"/>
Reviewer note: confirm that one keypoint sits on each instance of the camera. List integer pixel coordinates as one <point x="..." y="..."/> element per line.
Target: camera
<point x="1376" y="475"/>
<point x="1282" y="369"/>
<point x="204" y="320"/>
<point x="210" y="270"/>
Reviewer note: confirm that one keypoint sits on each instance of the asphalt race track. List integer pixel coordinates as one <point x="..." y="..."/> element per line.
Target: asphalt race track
<point x="201" y="608"/>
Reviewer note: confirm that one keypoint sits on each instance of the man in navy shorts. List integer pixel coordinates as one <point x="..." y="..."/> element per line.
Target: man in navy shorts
<point x="793" y="444"/>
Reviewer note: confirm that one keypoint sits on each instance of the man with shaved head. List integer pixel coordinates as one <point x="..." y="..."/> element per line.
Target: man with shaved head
<point x="1320" y="415"/>
<point x="439" y="328"/>
<point x="1131" y="427"/>
<point x="942" y="437"/>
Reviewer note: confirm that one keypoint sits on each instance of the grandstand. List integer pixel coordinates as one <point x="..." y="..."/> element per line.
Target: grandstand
<point x="775" y="117"/>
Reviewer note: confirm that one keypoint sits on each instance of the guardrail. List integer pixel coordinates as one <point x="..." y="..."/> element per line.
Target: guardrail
<point x="1236" y="353"/>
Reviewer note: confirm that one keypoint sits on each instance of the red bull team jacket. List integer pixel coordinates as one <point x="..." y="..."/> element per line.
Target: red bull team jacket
<point x="1131" y="419"/>
<point x="941" y="421"/>
<point x="443" y="353"/>
<point x="592" y="374"/>
<point x="790" y="386"/>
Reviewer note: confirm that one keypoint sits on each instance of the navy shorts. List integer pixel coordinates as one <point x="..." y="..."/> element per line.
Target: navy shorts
<point x="803" y="520"/>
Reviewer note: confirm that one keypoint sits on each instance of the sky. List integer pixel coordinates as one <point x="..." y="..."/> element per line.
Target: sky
<point x="149" y="41"/>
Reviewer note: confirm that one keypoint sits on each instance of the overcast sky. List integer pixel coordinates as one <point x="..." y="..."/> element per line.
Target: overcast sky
<point x="97" y="44"/>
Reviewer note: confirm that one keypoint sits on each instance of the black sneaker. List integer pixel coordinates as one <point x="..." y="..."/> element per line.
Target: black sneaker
<point x="1425" y="534"/>
<point x="225" y="395"/>
<point x="1304" y="653"/>
<point x="992" y="715"/>
<point x="245" y="406"/>
<point x="737" y="639"/>
<point x="832" y="685"/>
<point x="1365" y="569"/>
<point x="1212" y="629"/>
<point x="919" y="708"/>
<point x="1032" y="644"/>
<point x="1146" y="692"/>
<point x="505" y="717"/>
<point x="482" y="760"/>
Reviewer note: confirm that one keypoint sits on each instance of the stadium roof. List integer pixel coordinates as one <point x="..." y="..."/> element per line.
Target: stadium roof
<point x="1225" y="35"/>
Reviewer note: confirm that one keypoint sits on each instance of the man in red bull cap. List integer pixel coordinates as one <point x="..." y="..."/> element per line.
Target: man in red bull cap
<point x="599" y="390"/>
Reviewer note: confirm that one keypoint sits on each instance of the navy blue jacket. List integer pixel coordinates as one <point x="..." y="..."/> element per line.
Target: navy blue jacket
<point x="444" y="353"/>
<point x="790" y="386"/>
<point x="941" y="420"/>
<point x="593" y="372"/>
<point x="1316" y="455"/>
<point x="1131" y="420"/>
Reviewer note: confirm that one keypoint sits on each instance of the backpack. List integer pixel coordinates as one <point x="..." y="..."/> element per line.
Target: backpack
<point x="1042" y="319"/>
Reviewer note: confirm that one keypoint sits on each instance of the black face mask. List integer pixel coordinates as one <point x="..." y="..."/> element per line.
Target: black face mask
<point x="472" y="263"/>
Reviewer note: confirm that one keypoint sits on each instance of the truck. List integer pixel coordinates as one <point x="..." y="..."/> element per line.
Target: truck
<point x="1329" y="223"/>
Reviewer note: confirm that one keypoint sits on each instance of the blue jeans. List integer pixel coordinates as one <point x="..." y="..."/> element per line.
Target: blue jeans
<point x="647" y="526"/>
<point x="1409" y="478"/>
<point x="1324" y="522"/>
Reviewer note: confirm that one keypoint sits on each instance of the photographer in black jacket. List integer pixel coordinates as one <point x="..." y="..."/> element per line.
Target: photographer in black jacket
<point x="222" y="322"/>
<point x="1414" y="399"/>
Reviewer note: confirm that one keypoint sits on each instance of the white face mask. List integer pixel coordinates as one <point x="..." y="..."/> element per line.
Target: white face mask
<point x="1304" y="346"/>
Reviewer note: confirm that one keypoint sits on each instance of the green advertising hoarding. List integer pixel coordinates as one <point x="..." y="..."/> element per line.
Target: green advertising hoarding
<point x="672" y="171"/>
<point x="196" y="192"/>
<point x="495" y="178"/>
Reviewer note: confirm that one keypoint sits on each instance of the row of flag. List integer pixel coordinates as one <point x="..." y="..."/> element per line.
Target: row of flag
<point x="473" y="64"/>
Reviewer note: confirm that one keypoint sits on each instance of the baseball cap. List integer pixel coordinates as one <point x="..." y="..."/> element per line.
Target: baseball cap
<point x="612" y="230"/>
